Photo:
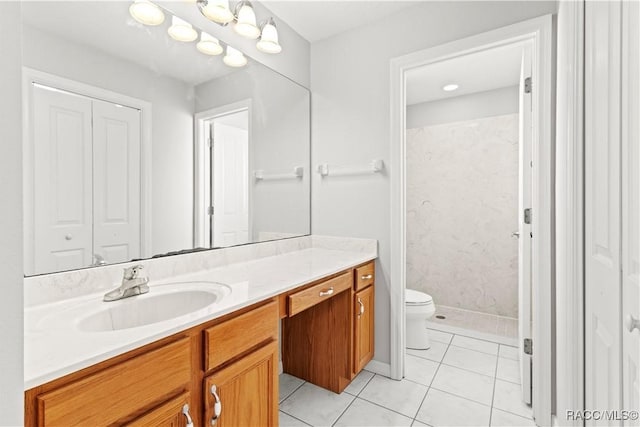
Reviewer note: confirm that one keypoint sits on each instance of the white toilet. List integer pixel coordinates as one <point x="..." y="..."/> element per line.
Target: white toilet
<point x="419" y="307"/>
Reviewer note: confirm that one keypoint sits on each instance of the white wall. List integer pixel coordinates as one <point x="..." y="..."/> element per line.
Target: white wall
<point x="279" y="141"/>
<point x="462" y="206"/>
<point x="11" y="302"/>
<point x="350" y="116"/>
<point x="477" y="105"/>
<point x="172" y="124"/>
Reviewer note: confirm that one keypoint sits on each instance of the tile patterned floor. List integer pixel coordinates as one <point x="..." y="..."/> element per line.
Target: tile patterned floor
<point x="459" y="381"/>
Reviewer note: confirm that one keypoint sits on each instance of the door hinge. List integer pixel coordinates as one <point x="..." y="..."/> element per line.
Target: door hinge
<point x="527" y="85"/>
<point x="528" y="346"/>
<point x="210" y="142"/>
<point x="210" y="210"/>
<point x="527" y="216"/>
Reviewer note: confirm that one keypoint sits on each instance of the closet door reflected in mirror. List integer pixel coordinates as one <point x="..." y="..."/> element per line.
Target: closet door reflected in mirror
<point x="86" y="182"/>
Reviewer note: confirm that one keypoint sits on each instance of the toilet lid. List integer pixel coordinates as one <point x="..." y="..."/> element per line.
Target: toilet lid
<point x="412" y="297"/>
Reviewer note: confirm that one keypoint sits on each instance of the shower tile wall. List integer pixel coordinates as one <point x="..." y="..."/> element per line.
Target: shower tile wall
<point x="462" y="206"/>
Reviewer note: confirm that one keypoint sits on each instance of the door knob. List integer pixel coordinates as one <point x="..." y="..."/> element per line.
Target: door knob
<point x="631" y="323"/>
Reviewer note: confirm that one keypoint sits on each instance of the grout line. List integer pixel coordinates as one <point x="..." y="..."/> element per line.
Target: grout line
<point x="295" y="418"/>
<point x="294" y="390"/>
<point x="432" y="380"/>
<point x="365" y="386"/>
<point x="347" y="408"/>
<point x="389" y="409"/>
<point x="493" y="394"/>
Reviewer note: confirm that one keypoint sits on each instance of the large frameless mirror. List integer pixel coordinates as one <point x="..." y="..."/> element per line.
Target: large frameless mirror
<point x="138" y="145"/>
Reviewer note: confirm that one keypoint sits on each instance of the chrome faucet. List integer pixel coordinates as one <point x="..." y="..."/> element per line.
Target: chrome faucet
<point x="132" y="284"/>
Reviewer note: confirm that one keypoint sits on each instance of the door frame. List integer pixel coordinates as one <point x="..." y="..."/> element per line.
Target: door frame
<point x="30" y="76"/>
<point x="570" y="211"/>
<point x="199" y="161"/>
<point x="539" y="31"/>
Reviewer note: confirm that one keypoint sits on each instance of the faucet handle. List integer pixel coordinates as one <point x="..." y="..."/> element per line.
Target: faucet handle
<point x="132" y="272"/>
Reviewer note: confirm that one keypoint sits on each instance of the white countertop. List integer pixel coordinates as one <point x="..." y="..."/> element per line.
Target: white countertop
<point x="52" y="351"/>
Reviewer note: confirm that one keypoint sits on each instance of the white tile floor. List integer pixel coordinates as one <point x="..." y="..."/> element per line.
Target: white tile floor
<point x="459" y="381"/>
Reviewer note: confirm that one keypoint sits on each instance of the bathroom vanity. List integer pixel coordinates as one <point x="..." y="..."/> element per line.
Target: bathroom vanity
<point x="219" y="367"/>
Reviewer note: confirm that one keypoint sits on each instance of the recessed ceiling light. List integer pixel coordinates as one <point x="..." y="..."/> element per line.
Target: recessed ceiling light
<point x="450" y="87"/>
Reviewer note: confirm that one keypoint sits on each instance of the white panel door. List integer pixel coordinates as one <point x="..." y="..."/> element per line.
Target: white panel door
<point x="61" y="171"/>
<point x="230" y="185"/>
<point x="524" y="229"/>
<point x="631" y="206"/>
<point x="602" y="207"/>
<point x="116" y="190"/>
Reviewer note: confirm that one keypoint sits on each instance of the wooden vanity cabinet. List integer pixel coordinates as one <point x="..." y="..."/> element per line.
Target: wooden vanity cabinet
<point x="328" y="338"/>
<point x="241" y="360"/>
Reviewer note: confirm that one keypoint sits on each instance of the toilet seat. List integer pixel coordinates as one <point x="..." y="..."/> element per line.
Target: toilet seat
<point x="412" y="297"/>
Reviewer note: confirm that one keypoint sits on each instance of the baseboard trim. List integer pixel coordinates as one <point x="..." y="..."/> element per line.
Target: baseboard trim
<point x="379" y="368"/>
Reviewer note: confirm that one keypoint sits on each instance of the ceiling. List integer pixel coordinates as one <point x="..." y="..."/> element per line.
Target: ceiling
<point x="477" y="72"/>
<point x="318" y="20"/>
<point x="107" y="26"/>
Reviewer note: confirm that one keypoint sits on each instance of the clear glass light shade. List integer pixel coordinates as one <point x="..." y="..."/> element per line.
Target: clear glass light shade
<point x="181" y="30"/>
<point x="268" y="42"/>
<point x="146" y="12"/>
<point x="246" y="21"/>
<point x="218" y="11"/>
<point x="209" y="45"/>
<point x="234" y="58"/>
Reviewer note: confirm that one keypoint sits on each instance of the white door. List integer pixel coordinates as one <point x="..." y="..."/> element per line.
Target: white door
<point x="230" y="185"/>
<point x="631" y="206"/>
<point x="602" y="207"/>
<point x="61" y="170"/>
<point x="116" y="189"/>
<point x="524" y="229"/>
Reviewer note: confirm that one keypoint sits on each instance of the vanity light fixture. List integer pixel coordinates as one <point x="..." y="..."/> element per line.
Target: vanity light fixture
<point x="234" y="58"/>
<point x="146" y="12"/>
<point x="216" y="10"/>
<point x="450" y="87"/>
<point x="181" y="30"/>
<point x="268" y="42"/>
<point x="209" y="45"/>
<point x="246" y="20"/>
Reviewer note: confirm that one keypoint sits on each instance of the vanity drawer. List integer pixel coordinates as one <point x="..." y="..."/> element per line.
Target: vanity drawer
<point x="365" y="275"/>
<point x="235" y="336"/>
<point x="99" y="398"/>
<point x="309" y="297"/>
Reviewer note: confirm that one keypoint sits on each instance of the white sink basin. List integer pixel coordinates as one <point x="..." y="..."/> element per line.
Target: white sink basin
<point x="162" y="303"/>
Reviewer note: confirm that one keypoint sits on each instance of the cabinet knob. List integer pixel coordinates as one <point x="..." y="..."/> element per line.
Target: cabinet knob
<point x="327" y="292"/>
<point x="631" y="323"/>
<point x="68" y="237"/>
<point x="361" y="307"/>
<point x="185" y="411"/>
<point x="217" y="405"/>
<point x="366" y="277"/>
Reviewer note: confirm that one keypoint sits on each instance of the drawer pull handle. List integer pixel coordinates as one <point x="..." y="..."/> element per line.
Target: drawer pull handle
<point x="217" y="406"/>
<point x="185" y="411"/>
<point x="327" y="292"/>
<point x="361" y="307"/>
<point x="366" y="277"/>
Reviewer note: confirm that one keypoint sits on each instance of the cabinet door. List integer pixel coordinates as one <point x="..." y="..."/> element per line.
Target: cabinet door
<point x="363" y="337"/>
<point x="173" y="413"/>
<point x="247" y="391"/>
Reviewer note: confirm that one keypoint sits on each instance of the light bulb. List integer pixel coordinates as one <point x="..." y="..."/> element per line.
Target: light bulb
<point x="246" y="21"/>
<point x="146" y="12"/>
<point x="181" y="30"/>
<point x="268" y="42"/>
<point x="217" y="11"/>
<point x="234" y="58"/>
<point x="209" y="45"/>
